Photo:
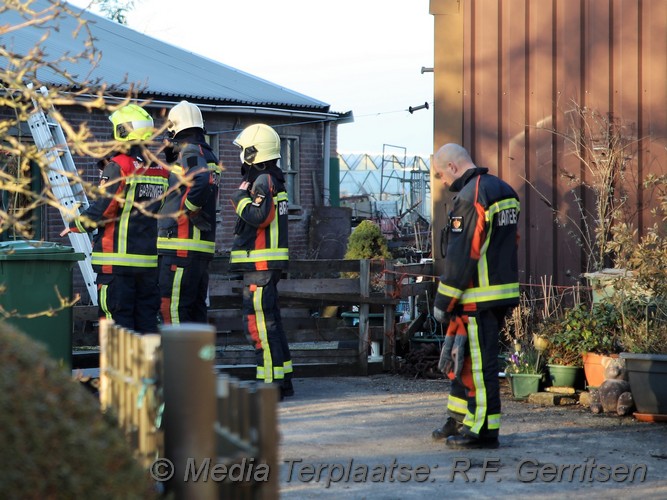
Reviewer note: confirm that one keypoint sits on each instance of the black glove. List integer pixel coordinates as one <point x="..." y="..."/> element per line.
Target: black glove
<point x="199" y="219"/>
<point x="170" y="153"/>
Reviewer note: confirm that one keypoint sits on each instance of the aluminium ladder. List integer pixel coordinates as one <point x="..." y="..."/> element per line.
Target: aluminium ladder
<point x="65" y="183"/>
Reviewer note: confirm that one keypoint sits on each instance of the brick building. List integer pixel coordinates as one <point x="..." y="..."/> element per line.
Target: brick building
<point x="163" y="75"/>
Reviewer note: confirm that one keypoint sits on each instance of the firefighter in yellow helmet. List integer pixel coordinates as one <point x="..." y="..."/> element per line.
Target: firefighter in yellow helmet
<point x="125" y="246"/>
<point x="260" y="250"/>
<point x="186" y="239"/>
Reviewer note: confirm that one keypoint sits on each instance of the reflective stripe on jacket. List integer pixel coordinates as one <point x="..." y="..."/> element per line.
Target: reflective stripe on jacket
<point x="481" y="263"/>
<point x="261" y="230"/>
<point x="125" y="216"/>
<point x="192" y="197"/>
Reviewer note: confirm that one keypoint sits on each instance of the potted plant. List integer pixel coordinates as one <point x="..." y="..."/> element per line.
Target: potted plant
<point x="525" y="369"/>
<point x="564" y="361"/>
<point x="641" y="300"/>
<point x="593" y="330"/>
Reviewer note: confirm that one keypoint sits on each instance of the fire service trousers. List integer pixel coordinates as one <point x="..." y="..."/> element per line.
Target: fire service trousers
<point x="131" y="300"/>
<point x="264" y="328"/>
<point x="474" y="399"/>
<point x="184" y="289"/>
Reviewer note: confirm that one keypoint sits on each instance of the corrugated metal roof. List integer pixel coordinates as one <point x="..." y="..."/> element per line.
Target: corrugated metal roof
<point x="160" y="68"/>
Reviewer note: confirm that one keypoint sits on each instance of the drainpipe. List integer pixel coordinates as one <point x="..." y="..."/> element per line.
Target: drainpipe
<point x="327" y="153"/>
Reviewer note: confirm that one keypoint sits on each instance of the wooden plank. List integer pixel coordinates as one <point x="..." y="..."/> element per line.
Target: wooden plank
<point x="315" y="266"/>
<point x="388" y="344"/>
<point x="220" y="266"/>
<point x="415" y="270"/>
<point x="266" y="422"/>
<point x="148" y="437"/>
<point x="105" y="396"/>
<point x="340" y="334"/>
<point x="85" y="313"/>
<point x="319" y="286"/>
<point x="337" y="298"/>
<point x="364" y="340"/>
<point x="231" y="319"/>
<point x="413" y="289"/>
<point x="306" y="370"/>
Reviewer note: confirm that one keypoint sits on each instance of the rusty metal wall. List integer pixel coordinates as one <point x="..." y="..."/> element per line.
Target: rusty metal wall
<point x="506" y="74"/>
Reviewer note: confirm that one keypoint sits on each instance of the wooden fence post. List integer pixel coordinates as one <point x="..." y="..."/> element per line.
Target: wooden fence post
<point x="189" y="387"/>
<point x="389" y="337"/>
<point x="106" y="327"/>
<point x="148" y="433"/>
<point x="365" y="287"/>
<point x="266" y="423"/>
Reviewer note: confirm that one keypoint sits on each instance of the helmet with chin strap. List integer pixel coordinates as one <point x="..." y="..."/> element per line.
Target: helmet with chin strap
<point x="182" y="116"/>
<point x="258" y="143"/>
<point x="132" y="123"/>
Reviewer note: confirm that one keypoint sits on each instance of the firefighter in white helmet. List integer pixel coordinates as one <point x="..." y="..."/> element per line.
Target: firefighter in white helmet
<point x="186" y="239"/>
<point x="124" y="248"/>
<point x="260" y="250"/>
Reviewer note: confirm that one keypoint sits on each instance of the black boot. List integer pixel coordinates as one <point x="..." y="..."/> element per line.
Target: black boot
<point x="467" y="442"/>
<point x="450" y="428"/>
<point x="287" y="389"/>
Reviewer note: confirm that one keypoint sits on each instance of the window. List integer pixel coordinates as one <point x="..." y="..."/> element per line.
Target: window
<point x="289" y="163"/>
<point x="20" y="185"/>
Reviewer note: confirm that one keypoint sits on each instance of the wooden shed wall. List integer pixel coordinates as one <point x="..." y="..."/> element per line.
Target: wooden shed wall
<point x="506" y="72"/>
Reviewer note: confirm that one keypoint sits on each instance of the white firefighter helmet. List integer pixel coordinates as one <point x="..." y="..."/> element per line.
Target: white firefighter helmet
<point x="258" y="143"/>
<point x="184" y="115"/>
<point x="131" y="123"/>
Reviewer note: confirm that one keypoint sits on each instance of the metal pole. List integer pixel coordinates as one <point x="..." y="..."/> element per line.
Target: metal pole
<point x="189" y="387"/>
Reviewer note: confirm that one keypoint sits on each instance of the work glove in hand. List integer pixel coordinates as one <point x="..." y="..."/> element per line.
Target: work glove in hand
<point x="446" y="363"/>
<point x="440" y="315"/>
<point x="458" y="354"/>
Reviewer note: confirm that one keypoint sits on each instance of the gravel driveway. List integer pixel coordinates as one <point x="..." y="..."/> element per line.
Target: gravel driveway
<point x="370" y="437"/>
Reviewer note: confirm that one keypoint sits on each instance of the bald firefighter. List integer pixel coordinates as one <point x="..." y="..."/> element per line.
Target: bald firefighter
<point x="477" y="288"/>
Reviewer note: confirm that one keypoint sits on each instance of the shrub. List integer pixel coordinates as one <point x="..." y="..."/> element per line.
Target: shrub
<point x="593" y="329"/>
<point x="367" y="242"/>
<point x="56" y="443"/>
<point x="641" y="297"/>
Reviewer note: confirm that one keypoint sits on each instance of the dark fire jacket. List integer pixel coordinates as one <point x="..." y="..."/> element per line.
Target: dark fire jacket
<point x="481" y="261"/>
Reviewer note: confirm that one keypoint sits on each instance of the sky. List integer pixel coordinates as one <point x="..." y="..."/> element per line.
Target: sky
<point x="363" y="56"/>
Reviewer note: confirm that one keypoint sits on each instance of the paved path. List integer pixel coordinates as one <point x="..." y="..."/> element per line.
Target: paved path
<point x="348" y="437"/>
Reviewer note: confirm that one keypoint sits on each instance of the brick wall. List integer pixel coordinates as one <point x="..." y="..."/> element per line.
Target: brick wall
<point x="227" y="127"/>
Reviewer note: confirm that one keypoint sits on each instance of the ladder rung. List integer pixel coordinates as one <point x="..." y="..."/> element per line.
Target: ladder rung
<point x="49" y="137"/>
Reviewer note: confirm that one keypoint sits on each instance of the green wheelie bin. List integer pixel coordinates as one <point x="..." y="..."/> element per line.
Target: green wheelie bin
<point x="34" y="276"/>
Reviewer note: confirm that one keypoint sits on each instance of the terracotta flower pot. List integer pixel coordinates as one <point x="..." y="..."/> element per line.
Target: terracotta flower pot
<point x="595" y="366"/>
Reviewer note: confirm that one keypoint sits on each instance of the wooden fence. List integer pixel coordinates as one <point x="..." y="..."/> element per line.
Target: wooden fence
<point x="170" y="403"/>
<point x="128" y="373"/>
<point x="312" y="296"/>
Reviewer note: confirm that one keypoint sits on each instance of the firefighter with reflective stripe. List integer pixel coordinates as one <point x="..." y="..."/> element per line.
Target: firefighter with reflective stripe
<point x="187" y="223"/>
<point x="261" y="252"/>
<point x="125" y="215"/>
<point x="478" y="287"/>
